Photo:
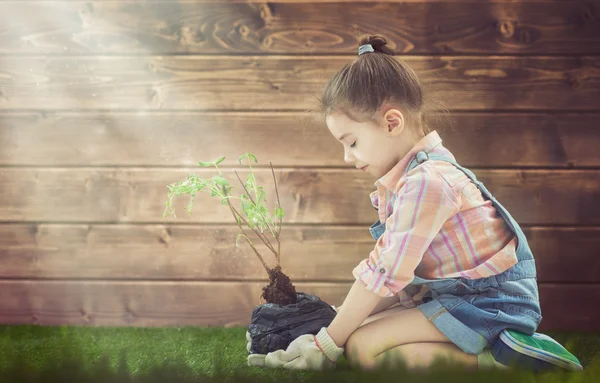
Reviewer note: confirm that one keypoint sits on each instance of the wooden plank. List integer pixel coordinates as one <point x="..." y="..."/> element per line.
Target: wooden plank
<point x="555" y="251"/>
<point x="170" y="138"/>
<point x="219" y="27"/>
<point x="289" y="1"/>
<point x="149" y="304"/>
<point x="192" y="252"/>
<point x="570" y="307"/>
<point x="284" y="82"/>
<point x="106" y="195"/>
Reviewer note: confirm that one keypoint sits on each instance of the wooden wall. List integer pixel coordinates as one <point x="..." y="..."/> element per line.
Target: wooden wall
<point x="104" y="103"/>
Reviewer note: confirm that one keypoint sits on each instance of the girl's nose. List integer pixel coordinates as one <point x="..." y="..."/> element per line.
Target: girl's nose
<point x="348" y="158"/>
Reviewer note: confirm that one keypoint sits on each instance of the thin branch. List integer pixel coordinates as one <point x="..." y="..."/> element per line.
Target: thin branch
<point x="279" y="228"/>
<point x="233" y="211"/>
<point x="244" y="186"/>
<point x="258" y="234"/>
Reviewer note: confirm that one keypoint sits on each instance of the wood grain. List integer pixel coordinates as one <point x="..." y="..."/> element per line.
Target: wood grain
<point x="289" y="1"/>
<point x="193" y="252"/>
<point x="225" y="27"/>
<point x="183" y="138"/>
<point x="106" y="195"/>
<point x="285" y="83"/>
<point x="143" y="304"/>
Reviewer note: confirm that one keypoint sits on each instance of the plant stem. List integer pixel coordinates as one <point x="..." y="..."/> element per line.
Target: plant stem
<point x="233" y="211"/>
<point x="263" y="217"/>
<point x="278" y="229"/>
<point x="258" y="234"/>
<point x="250" y="165"/>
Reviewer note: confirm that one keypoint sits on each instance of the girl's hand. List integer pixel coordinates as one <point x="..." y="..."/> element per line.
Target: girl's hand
<point x="307" y="352"/>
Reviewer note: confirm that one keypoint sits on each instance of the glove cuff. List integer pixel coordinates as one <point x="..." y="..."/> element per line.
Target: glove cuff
<point x="328" y="346"/>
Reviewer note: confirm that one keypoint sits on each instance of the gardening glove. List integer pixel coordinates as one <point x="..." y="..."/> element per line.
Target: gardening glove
<point x="254" y="359"/>
<point x="259" y="359"/>
<point x="307" y="352"/>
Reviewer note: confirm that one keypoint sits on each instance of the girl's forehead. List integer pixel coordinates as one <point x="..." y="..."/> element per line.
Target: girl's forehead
<point x="342" y="123"/>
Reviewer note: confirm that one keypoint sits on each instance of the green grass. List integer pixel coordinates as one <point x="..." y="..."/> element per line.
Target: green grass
<point x="187" y="354"/>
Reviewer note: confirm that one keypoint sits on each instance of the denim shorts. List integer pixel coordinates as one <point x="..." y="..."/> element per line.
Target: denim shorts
<point x="473" y="312"/>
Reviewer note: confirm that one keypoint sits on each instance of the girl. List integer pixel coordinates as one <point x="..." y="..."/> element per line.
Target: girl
<point x="447" y="253"/>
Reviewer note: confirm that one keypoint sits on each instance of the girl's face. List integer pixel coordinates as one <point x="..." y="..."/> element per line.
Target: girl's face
<point x="378" y="146"/>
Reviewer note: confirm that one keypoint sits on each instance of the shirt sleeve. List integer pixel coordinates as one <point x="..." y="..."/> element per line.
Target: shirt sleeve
<point x="424" y="202"/>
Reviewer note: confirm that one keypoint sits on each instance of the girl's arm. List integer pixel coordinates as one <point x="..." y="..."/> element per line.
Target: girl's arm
<point x="357" y="306"/>
<point x="425" y="201"/>
<point x="384" y="304"/>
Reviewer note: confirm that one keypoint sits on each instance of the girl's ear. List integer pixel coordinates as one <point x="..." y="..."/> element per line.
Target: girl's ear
<point x="394" y="122"/>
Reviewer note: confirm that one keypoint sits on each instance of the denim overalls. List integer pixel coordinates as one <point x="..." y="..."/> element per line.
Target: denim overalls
<point x="472" y="312"/>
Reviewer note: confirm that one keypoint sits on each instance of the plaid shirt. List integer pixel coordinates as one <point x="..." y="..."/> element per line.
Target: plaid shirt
<point x="438" y="225"/>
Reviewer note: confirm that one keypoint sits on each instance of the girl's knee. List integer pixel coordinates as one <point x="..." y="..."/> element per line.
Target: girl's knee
<point x="356" y="348"/>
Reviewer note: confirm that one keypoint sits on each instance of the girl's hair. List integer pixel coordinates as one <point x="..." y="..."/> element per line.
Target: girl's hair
<point x="360" y="87"/>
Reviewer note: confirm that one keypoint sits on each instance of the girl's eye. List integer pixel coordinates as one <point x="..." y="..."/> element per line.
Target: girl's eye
<point x="353" y="145"/>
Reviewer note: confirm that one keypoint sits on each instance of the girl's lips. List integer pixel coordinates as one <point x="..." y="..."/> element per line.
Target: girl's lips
<point x="365" y="168"/>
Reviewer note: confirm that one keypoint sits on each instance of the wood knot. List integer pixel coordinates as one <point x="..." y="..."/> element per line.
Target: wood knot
<point x="85" y="14"/>
<point x="266" y="11"/>
<point x="507" y="29"/>
<point x="243" y="30"/>
<point x="267" y="42"/>
<point x="153" y="95"/>
<point x="165" y="236"/>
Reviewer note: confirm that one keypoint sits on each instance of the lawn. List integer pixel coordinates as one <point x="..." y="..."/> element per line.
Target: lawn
<point x="198" y="354"/>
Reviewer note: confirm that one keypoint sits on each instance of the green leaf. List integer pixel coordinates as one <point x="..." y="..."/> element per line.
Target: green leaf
<point x="201" y="163"/>
<point x="200" y="187"/>
<point x="219" y="160"/>
<point x="279" y="212"/>
<point x="252" y="156"/>
<point x="213" y="192"/>
<point x="220" y="180"/>
<point x="261" y="194"/>
<point x="250" y="178"/>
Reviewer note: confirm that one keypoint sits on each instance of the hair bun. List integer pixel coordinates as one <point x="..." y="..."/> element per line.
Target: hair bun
<point x="378" y="42"/>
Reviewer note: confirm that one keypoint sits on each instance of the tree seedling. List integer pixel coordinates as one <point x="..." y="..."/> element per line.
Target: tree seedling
<point x="280" y="289"/>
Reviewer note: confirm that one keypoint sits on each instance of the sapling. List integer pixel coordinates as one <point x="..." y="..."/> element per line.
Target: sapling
<point x="280" y="289"/>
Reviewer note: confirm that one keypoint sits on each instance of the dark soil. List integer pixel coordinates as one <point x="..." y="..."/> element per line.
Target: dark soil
<point x="280" y="291"/>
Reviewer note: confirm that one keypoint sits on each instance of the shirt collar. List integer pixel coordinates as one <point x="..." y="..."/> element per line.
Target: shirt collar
<point x="391" y="178"/>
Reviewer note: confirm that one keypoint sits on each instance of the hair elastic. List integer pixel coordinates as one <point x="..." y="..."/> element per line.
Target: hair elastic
<point x="365" y="48"/>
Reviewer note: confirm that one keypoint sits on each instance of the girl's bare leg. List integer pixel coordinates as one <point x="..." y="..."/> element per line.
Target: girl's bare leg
<point x="420" y="355"/>
<point x="396" y="327"/>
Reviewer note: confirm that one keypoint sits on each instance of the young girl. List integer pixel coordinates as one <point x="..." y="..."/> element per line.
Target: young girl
<point x="447" y="252"/>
